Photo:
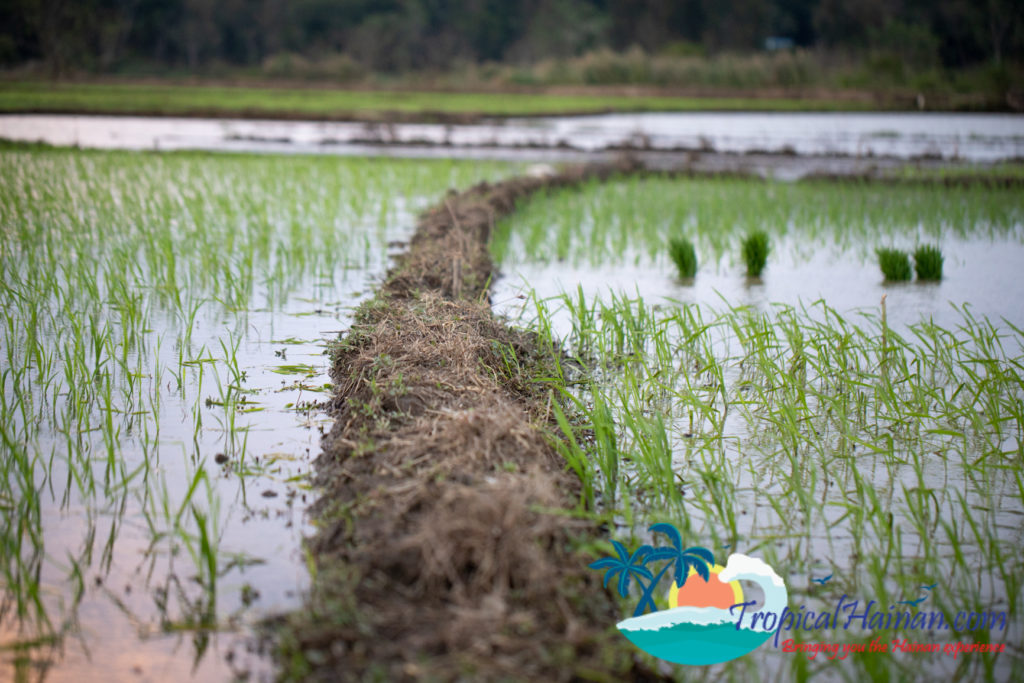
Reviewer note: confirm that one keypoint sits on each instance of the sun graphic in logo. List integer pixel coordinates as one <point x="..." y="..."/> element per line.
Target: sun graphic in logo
<point x="714" y="592"/>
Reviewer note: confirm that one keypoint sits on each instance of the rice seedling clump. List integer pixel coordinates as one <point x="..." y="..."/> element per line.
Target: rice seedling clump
<point x="684" y="256"/>
<point x="755" y="252"/>
<point x="895" y="264"/>
<point x="928" y="262"/>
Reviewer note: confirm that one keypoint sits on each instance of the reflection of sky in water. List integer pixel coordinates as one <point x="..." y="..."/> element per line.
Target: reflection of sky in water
<point x="983" y="274"/>
<point x="120" y="631"/>
<point x="973" y="137"/>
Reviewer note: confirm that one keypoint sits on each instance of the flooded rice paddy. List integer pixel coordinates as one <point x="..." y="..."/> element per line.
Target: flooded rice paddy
<point x="166" y="319"/>
<point x="794" y="416"/>
<point x="824" y="237"/>
<point x="967" y="137"/>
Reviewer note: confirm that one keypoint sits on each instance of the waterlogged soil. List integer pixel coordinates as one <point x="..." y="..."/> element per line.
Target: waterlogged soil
<point x="445" y="545"/>
<point x="442" y="542"/>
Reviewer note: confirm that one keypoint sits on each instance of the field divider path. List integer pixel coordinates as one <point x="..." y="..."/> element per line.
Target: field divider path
<point x="447" y="546"/>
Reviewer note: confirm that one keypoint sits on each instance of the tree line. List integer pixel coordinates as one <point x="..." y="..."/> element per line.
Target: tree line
<point x="105" y="36"/>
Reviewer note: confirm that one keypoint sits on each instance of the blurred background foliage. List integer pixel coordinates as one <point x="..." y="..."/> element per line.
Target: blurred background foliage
<point x="734" y="43"/>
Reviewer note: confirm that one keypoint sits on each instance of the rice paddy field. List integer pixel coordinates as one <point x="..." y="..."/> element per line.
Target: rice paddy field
<point x="162" y="365"/>
<point x="161" y="359"/>
<point x="320" y="103"/>
<point x="865" y="438"/>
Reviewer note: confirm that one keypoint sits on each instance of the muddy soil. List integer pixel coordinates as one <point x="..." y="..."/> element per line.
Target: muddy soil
<point x="447" y="545"/>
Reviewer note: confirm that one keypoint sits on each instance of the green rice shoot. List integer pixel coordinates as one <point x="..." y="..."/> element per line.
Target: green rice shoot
<point x="755" y="252"/>
<point x="139" y="291"/>
<point x="684" y="256"/>
<point x="928" y="262"/>
<point x="895" y="264"/>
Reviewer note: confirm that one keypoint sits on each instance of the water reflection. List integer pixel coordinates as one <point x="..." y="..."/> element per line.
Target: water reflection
<point x="983" y="274"/>
<point x="968" y="137"/>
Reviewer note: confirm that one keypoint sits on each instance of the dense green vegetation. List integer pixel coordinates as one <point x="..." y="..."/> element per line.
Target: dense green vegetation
<point x="683" y="254"/>
<point x="928" y="262"/>
<point x="307" y="103"/>
<point x="755" y="249"/>
<point x="896" y="55"/>
<point x="345" y="38"/>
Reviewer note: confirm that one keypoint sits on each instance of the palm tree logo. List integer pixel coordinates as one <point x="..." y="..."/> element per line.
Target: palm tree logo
<point x="700" y="626"/>
<point x="632" y="567"/>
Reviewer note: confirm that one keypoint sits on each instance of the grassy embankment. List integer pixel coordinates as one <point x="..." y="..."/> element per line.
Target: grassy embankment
<point x="599" y="80"/>
<point x="447" y="546"/>
<point x="330" y="103"/>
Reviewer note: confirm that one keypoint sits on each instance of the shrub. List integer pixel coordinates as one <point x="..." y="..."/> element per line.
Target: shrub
<point x="928" y="262"/>
<point x="684" y="256"/>
<point x="335" y="67"/>
<point x="895" y="264"/>
<point x="755" y="252"/>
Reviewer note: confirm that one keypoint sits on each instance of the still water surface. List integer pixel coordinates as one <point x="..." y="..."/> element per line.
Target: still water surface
<point x="967" y="137"/>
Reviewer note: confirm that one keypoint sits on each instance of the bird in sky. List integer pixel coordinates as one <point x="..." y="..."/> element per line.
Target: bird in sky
<point x="822" y="581"/>
<point x="913" y="603"/>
